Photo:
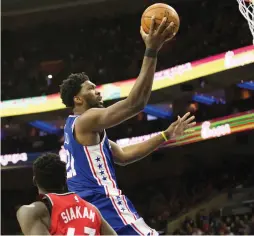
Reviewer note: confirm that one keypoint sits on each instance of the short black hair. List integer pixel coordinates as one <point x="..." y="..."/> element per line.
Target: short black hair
<point x="50" y="172"/>
<point x="71" y="87"/>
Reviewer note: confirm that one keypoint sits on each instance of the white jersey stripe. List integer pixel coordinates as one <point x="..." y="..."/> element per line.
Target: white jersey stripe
<point x="126" y="204"/>
<point x="136" y="229"/>
<point x="91" y="165"/>
<point x="63" y="194"/>
<point x="106" y="167"/>
<point x="100" y="170"/>
<point x="106" y="190"/>
<point x="153" y="232"/>
<point x="143" y="228"/>
<point x="122" y="212"/>
<point x="108" y="171"/>
<point x="117" y="210"/>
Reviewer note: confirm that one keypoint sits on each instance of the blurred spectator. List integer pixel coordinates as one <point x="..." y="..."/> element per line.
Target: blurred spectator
<point x="112" y="50"/>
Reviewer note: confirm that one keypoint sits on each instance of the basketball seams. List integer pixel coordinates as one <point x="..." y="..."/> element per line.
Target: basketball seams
<point x="155" y="8"/>
<point x="149" y="17"/>
<point x="159" y="11"/>
<point x="144" y="24"/>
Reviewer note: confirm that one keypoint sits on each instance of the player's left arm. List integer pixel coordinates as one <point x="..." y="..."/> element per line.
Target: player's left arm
<point x="133" y="153"/>
<point x="34" y="219"/>
<point x="106" y="229"/>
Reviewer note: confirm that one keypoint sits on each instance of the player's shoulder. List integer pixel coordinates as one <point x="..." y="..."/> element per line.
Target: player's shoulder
<point x="91" y="114"/>
<point x="88" y="118"/>
<point x="93" y="207"/>
<point x="34" y="209"/>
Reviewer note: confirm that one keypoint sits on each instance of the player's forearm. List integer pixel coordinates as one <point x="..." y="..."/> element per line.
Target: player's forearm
<point x="106" y="229"/>
<point x="141" y="90"/>
<point x="138" y="151"/>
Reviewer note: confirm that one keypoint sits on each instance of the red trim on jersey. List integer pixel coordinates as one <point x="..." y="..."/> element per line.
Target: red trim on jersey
<point x="136" y="229"/>
<point x="107" y="192"/>
<point x="125" y="202"/>
<point x="91" y="163"/>
<point x="119" y="213"/>
<point x="149" y="229"/>
<point x="106" y="166"/>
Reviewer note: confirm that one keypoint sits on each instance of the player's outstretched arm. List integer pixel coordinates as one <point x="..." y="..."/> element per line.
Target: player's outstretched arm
<point x="99" y="119"/>
<point x="133" y="153"/>
<point x="34" y="219"/>
<point x="106" y="229"/>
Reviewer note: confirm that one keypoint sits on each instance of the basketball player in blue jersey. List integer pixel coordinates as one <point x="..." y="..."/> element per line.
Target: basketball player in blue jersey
<point x="90" y="154"/>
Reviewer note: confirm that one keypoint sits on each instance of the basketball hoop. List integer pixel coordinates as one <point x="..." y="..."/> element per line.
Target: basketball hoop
<point x="246" y="7"/>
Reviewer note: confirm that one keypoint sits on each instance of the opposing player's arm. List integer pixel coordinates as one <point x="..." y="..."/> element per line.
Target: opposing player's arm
<point x="99" y="119"/>
<point x="106" y="229"/>
<point x="34" y="219"/>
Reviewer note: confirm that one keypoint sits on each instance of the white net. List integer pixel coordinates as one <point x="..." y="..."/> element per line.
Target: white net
<point x="246" y="7"/>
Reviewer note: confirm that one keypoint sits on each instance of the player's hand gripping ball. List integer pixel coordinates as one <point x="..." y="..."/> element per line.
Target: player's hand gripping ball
<point x="159" y="11"/>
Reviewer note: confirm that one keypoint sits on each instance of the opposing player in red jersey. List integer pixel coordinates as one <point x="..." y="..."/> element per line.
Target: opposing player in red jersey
<point x="59" y="213"/>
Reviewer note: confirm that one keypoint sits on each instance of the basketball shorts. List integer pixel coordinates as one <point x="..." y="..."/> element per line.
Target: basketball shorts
<point x="120" y="213"/>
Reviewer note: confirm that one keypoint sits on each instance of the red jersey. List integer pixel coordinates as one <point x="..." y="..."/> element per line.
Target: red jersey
<point x="71" y="215"/>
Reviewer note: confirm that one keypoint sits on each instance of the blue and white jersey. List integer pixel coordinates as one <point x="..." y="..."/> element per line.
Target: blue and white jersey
<point x="90" y="169"/>
<point x="91" y="174"/>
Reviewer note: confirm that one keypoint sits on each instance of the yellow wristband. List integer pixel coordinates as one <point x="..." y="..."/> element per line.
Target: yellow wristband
<point x="164" y="136"/>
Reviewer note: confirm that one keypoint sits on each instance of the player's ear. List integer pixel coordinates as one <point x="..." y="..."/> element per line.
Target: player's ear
<point x="78" y="100"/>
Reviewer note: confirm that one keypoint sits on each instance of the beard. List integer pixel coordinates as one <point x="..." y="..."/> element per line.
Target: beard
<point x="96" y="104"/>
<point x="100" y="105"/>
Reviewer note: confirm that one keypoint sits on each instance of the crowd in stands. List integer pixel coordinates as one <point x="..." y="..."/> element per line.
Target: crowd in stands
<point x="164" y="200"/>
<point x="111" y="49"/>
<point x="212" y="223"/>
<point x="108" y="52"/>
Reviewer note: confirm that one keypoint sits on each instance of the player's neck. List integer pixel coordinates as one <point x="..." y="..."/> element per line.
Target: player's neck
<point x="42" y="191"/>
<point x="79" y="110"/>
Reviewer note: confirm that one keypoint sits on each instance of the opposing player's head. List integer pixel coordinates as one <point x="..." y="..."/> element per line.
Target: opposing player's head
<point x="49" y="173"/>
<point x="78" y="91"/>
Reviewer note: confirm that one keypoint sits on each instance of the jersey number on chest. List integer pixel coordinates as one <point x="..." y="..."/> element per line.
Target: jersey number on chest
<point x="71" y="172"/>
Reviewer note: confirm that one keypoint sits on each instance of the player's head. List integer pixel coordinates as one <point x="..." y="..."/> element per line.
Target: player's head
<point x="78" y="91"/>
<point x="49" y="173"/>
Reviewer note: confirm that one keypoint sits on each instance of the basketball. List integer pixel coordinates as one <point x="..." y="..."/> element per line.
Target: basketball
<point x="159" y="11"/>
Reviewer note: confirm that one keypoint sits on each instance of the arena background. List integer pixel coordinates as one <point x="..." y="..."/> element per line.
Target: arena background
<point x="202" y="182"/>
